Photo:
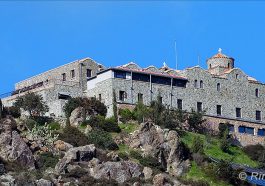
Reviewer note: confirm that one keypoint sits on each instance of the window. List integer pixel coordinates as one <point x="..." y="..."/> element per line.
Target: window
<point x="161" y="80"/>
<point x="228" y="65"/>
<point x="99" y="97"/>
<point x="160" y="99"/>
<point x="257" y="92"/>
<point x="219" y="110"/>
<point x="246" y="130"/>
<point x="238" y="112"/>
<point x="72" y="73"/>
<point x="64" y="76"/>
<point x="201" y="84"/>
<point x="231" y="128"/>
<point x="179" y="104"/>
<point x="258" y="115"/>
<point x="210" y="65"/>
<point x="63" y="96"/>
<point x="179" y="83"/>
<point x="140" y="98"/>
<point x="236" y="76"/>
<point x="120" y="74"/>
<point x="141" y="77"/>
<point x="88" y="73"/>
<point x="196" y="83"/>
<point x="218" y="87"/>
<point x="199" y="106"/>
<point x="122" y="95"/>
<point x="261" y="132"/>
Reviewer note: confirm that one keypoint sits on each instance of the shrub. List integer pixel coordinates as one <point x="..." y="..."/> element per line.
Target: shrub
<point x="46" y="160"/>
<point x="92" y="106"/>
<point x="150" y="161"/>
<point x="223" y="127"/>
<point x="42" y="120"/>
<point x="99" y="122"/>
<point x="198" y="158"/>
<point x="123" y="156"/>
<point x="30" y="123"/>
<point x="13" y="111"/>
<point x="135" y="154"/>
<point x="197" y="145"/>
<point x="140" y="112"/>
<point x="33" y="104"/>
<point x="73" y="136"/>
<point x="255" y="152"/>
<point x="196" y="121"/>
<point x="54" y="126"/>
<point x="102" y="140"/>
<point x="125" y="115"/>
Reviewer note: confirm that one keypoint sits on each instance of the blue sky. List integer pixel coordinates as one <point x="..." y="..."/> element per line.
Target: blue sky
<point x="38" y="36"/>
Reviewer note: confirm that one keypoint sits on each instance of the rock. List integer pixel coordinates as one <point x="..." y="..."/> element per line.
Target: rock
<point x="43" y="182"/>
<point x="62" y="146"/>
<point x="161" y="180"/>
<point x="7" y="180"/>
<point x="113" y="156"/>
<point x="161" y="144"/>
<point x="20" y="152"/>
<point x="88" y="129"/>
<point x="148" y="172"/>
<point x="78" y="116"/>
<point x="2" y="169"/>
<point x="118" y="171"/>
<point x="83" y="153"/>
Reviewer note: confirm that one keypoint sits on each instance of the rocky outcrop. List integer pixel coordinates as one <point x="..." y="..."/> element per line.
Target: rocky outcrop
<point x="148" y="173"/>
<point x="78" y="116"/>
<point x="162" y="144"/>
<point x="60" y="145"/>
<point x="119" y="171"/>
<point x="12" y="146"/>
<point x="84" y="153"/>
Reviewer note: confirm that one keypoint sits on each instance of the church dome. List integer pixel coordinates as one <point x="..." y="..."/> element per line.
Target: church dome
<point x="220" y="63"/>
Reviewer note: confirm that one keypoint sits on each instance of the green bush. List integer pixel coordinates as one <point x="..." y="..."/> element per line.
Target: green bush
<point x="54" y="126"/>
<point x="123" y="155"/>
<point x="30" y="123"/>
<point x="99" y="122"/>
<point x="42" y="120"/>
<point x="102" y="140"/>
<point x="12" y="111"/>
<point x="73" y="136"/>
<point x="255" y="152"/>
<point x="125" y="115"/>
<point x="197" y="145"/>
<point x="150" y="161"/>
<point x="135" y="154"/>
<point x="46" y="160"/>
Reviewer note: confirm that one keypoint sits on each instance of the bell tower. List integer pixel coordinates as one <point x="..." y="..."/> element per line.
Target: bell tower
<point x="220" y="63"/>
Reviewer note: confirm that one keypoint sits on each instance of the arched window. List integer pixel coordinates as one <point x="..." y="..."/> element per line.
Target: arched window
<point x="228" y="65"/>
<point x="257" y="92"/>
<point x="201" y="84"/>
<point x="210" y="65"/>
<point x="196" y="83"/>
<point x="218" y="87"/>
<point x="236" y="76"/>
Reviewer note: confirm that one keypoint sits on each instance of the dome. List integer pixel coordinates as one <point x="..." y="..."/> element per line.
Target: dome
<point x="220" y="55"/>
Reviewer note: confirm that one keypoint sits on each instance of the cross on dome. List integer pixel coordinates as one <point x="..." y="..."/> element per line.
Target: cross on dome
<point x="220" y="50"/>
<point x="164" y="64"/>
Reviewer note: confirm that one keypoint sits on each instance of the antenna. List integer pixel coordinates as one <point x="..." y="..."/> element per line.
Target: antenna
<point x="199" y="61"/>
<point x="176" y="55"/>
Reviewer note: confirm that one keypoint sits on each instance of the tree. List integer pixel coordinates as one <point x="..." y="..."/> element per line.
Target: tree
<point x="32" y="103"/>
<point x="196" y="121"/>
<point x="140" y="112"/>
<point x="91" y="105"/>
<point x="156" y="110"/>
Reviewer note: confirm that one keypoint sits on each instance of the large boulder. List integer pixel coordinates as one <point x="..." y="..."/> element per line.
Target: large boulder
<point x="119" y="171"/>
<point x="78" y="116"/>
<point x="12" y="146"/>
<point x="163" y="144"/>
<point x="20" y="152"/>
<point x="77" y="154"/>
